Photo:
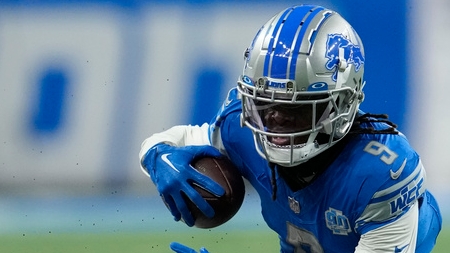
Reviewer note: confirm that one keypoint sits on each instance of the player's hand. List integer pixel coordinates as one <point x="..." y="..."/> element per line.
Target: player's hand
<point x="169" y="168"/>
<point x="180" y="248"/>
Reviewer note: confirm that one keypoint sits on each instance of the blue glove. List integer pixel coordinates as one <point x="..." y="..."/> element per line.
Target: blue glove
<point x="180" y="248"/>
<point x="169" y="168"/>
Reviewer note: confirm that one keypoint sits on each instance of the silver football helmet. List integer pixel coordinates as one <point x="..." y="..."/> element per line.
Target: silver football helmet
<point x="302" y="83"/>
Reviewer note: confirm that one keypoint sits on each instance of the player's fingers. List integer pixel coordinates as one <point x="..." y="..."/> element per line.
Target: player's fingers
<point x="184" y="210"/>
<point x="200" y="202"/>
<point x="203" y="250"/>
<point x="180" y="248"/>
<point x="202" y="151"/>
<point x="170" y="204"/>
<point x="208" y="184"/>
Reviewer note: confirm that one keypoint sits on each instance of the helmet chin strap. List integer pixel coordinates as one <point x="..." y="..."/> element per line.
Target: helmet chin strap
<point x="344" y="70"/>
<point x="325" y="119"/>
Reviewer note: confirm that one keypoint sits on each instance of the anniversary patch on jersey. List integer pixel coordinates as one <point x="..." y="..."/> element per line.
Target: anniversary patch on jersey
<point x="337" y="222"/>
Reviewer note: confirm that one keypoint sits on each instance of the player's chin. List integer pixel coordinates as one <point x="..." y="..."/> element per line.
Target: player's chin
<point x="279" y="141"/>
<point x="285" y="142"/>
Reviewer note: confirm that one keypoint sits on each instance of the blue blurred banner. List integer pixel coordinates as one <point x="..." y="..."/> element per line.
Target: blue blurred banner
<point x="95" y="78"/>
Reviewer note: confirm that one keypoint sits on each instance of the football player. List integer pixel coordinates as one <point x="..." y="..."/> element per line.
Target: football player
<point x="331" y="178"/>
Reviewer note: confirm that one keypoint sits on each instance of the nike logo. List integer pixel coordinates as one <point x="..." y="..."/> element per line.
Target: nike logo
<point x="399" y="250"/>
<point x="166" y="160"/>
<point x="395" y="175"/>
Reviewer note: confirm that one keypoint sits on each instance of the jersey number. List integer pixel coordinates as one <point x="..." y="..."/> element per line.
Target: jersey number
<point x="386" y="155"/>
<point x="303" y="240"/>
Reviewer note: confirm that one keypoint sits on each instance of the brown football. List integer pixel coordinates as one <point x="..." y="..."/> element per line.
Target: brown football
<point x="222" y="171"/>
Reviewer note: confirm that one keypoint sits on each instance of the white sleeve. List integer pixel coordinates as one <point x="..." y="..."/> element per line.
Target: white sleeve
<point x="398" y="236"/>
<point x="182" y="135"/>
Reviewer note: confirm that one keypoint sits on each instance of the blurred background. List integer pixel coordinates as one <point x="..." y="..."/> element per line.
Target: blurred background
<point x="83" y="83"/>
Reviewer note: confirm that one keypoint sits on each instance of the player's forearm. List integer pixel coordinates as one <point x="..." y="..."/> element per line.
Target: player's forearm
<point x="398" y="236"/>
<point x="182" y="135"/>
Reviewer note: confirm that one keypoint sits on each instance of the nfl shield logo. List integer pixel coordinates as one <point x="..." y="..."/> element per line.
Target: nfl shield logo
<point x="294" y="205"/>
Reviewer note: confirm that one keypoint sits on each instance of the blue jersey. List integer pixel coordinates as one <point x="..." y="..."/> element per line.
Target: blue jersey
<point x="373" y="181"/>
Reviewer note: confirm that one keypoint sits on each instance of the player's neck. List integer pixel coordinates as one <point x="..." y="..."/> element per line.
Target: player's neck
<point x="302" y="175"/>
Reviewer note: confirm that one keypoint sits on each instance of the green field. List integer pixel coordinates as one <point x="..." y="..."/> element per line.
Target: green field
<point x="215" y="242"/>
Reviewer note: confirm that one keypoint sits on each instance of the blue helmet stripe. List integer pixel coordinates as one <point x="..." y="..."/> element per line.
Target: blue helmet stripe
<point x="302" y="33"/>
<point x="280" y="57"/>
<point x="326" y="15"/>
<point x="267" y="60"/>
